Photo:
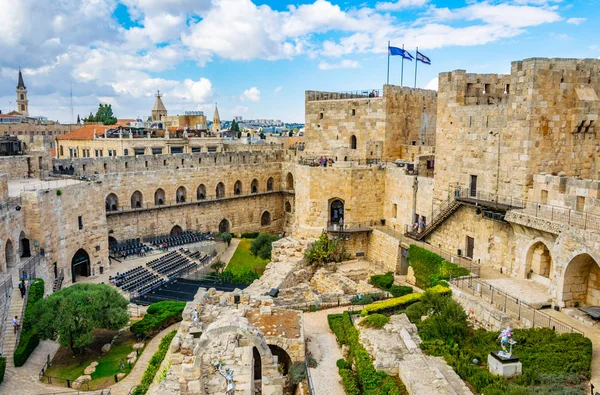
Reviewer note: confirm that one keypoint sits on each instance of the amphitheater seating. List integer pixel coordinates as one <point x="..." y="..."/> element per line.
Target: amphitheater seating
<point x="136" y="279"/>
<point x="128" y="247"/>
<point x="180" y="239"/>
<point x="171" y="264"/>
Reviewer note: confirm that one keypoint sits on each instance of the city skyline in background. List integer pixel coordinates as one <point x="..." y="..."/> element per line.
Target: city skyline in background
<point x="256" y="59"/>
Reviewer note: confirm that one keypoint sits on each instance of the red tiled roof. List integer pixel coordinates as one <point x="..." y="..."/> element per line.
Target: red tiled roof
<point x="124" y="122"/>
<point x="85" y="133"/>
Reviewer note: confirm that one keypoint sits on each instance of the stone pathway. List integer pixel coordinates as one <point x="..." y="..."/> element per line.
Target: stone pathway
<point x="529" y="291"/>
<point x="228" y="253"/>
<point x="15" y="309"/>
<point x="323" y="346"/>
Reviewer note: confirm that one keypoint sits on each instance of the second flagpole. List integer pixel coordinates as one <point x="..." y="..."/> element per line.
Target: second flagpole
<point x="388" y="73"/>
<point x="416" y="64"/>
<point x="402" y="70"/>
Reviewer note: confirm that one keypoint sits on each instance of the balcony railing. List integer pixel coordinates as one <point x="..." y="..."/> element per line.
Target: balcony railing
<point x="359" y="94"/>
<point x="563" y="215"/>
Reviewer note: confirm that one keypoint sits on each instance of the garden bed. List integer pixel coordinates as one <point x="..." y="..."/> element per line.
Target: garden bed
<point x="66" y="366"/>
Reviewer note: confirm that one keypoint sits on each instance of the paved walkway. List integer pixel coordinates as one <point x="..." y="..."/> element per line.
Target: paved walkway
<point x="15" y="309"/>
<point x="529" y="291"/>
<point x="323" y="346"/>
<point x="228" y="253"/>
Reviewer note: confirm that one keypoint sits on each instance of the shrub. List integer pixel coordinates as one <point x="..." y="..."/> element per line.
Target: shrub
<point x="249" y="235"/>
<point x="430" y="269"/>
<point x="349" y="380"/>
<point x="261" y="246"/>
<point x="2" y="368"/>
<point x="343" y="364"/>
<point x="243" y="277"/>
<point x="382" y="281"/>
<point x="366" y="299"/>
<point x="415" y="311"/>
<point x="447" y="320"/>
<point x="397" y="304"/>
<point x="159" y="315"/>
<point x="29" y="339"/>
<point x="58" y="192"/>
<point x="298" y="372"/>
<point x="324" y="251"/>
<point x="375" y="321"/>
<point x="226" y="237"/>
<point x="154" y="364"/>
<point x="400" y="290"/>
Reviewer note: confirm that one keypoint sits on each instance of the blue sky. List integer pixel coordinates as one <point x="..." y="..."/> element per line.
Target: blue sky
<point x="256" y="58"/>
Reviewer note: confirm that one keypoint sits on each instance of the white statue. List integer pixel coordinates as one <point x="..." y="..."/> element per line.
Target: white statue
<point x="228" y="374"/>
<point x="506" y="340"/>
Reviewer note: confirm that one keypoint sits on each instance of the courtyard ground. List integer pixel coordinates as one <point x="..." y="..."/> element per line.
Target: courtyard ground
<point x="243" y="260"/>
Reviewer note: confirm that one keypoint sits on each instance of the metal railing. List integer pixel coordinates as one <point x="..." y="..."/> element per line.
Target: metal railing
<point x="358" y="94"/>
<point x="316" y="162"/>
<point x="350" y="227"/>
<point x="50" y="185"/>
<point x="309" y="382"/>
<point x="62" y="382"/>
<point x="188" y="201"/>
<point x="21" y="316"/>
<point x="490" y="199"/>
<point x="6" y="288"/>
<point x="579" y="219"/>
<point x="530" y="316"/>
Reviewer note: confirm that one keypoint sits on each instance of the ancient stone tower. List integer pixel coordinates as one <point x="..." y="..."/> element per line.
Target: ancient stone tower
<point x="216" y="126"/>
<point x="159" y="110"/>
<point x="22" y="102"/>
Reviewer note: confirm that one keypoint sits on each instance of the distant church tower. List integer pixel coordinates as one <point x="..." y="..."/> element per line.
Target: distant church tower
<point x="22" y="102"/>
<point x="216" y="126"/>
<point x="159" y="110"/>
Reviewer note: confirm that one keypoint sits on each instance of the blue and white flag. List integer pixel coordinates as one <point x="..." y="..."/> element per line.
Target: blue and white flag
<point x="423" y="58"/>
<point x="395" y="51"/>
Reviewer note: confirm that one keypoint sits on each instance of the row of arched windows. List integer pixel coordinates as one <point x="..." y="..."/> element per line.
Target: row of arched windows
<point x="181" y="195"/>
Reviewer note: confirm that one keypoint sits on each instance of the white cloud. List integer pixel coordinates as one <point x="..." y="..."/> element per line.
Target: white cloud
<point x="576" y="21"/>
<point x="252" y="94"/>
<point x="400" y="5"/>
<point x="433" y="84"/>
<point x="278" y="89"/>
<point x="344" y="64"/>
<point x="240" y="110"/>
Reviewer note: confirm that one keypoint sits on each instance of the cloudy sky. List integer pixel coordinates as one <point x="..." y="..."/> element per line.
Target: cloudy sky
<point x="256" y="58"/>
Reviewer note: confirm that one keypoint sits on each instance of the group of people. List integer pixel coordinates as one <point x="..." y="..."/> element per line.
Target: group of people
<point x="323" y="162"/>
<point x="116" y="278"/>
<point x="419" y="225"/>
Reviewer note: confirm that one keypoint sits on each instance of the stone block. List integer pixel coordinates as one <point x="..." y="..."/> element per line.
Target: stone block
<point x="506" y="367"/>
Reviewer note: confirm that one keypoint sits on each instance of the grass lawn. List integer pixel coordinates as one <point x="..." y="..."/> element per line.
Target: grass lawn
<point x="65" y="366"/>
<point x="243" y="260"/>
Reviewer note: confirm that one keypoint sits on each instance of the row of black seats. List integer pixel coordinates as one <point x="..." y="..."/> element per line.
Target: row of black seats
<point x="165" y="258"/>
<point x="140" y="282"/>
<point x="174" y="263"/>
<point x="179" y="239"/>
<point x="176" y="271"/>
<point x="130" y="274"/>
<point x="151" y="285"/>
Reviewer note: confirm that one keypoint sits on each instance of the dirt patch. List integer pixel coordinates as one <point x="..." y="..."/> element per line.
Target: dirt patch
<point x="284" y="323"/>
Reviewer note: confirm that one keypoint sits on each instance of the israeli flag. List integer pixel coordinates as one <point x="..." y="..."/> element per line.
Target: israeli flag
<point x="395" y="51"/>
<point x="423" y="58"/>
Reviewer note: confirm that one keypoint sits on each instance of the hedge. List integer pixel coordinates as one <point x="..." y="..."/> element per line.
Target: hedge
<point x="29" y="339"/>
<point x="154" y="364"/>
<point x="349" y="380"/>
<point x="369" y="380"/>
<point x="396" y="304"/>
<point x="375" y="321"/>
<point x="382" y="281"/>
<point x="249" y="235"/>
<point x="2" y="368"/>
<point x="158" y="316"/>
<point x="430" y="268"/>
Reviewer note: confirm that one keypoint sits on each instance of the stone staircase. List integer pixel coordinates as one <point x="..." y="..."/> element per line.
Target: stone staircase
<point x="15" y="309"/>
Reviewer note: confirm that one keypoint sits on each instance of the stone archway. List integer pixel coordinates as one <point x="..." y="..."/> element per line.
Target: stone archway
<point x="270" y="375"/>
<point x="290" y="182"/>
<point x="581" y="281"/>
<point x="159" y="197"/>
<point x="265" y="219"/>
<point x="9" y="254"/>
<point x="538" y="263"/>
<point x="24" y="247"/>
<point x="224" y="226"/>
<point x="112" y="202"/>
<point x="137" y="200"/>
<point x="80" y="264"/>
<point x="336" y="211"/>
<point x="176" y="230"/>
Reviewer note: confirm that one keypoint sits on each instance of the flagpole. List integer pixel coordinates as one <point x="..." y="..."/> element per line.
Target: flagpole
<point x="402" y="77"/>
<point x="388" y="71"/>
<point x="416" y="64"/>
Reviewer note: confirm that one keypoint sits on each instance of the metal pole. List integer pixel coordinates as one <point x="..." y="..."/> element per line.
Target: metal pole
<point x="416" y="64"/>
<point x="402" y="75"/>
<point x="388" y="69"/>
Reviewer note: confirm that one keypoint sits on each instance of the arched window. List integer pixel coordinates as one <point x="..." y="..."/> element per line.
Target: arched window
<point x="112" y="202"/>
<point x="9" y="254"/>
<point x="61" y="151"/>
<point x="288" y="207"/>
<point x="201" y="192"/>
<point x="237" y="188"/>
<point x="270" y="183"/>
<point x="353" y="142"/>
<point x="254" y="186"/>
<point x="137" y="200"/>
<point x="180" y="195"/>
<point x="265" y="219"/>
<point x="336" y="211"/>
<point x="159" y="197"/>
<point x="125" y="152"/>
<point x="22" y="96"/>
<point x="220" y="190"/>
<point x="290" y="182"/>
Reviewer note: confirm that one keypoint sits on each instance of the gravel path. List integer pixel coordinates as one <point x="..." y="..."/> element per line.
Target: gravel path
<point x="324" y="348"/>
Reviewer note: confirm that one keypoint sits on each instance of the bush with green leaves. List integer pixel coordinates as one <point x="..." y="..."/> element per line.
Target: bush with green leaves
<point x="400" y="290"/>
<point x="349" y="380"/>
<point x="375" y="321"/>
<point x="368" y="380"/>
<point x="323" y="251"/>
<point x="158" y="316"/>
<point x="430" y="269"/>
<point x="382" y="281"/>
<point x="154" y="364"/>
<point x="366" y="298"/>
<point x="71" y="314"/>
<point x="298" y="372"/>
<point x="261" y="246"/>
<point x="243" y="277"/>
<point x="226" y="237"/>
<point x="29" y="338"/>
<point x="249" y="235"/>
<point x="395" y="305"/>
<point x="2" y="368"/>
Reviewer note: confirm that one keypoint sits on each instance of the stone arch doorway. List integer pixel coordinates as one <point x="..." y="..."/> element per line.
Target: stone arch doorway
<point x="539" y="263"/>
<point x="254" y="186"/>
<point x="265" y="219"/>
<point x="112" y="242"/>
<point x="336" y="211"/>
<point x="24" y="246"/>
<point x="9" y="254"/>
<point x="159" y="197"/>
<point x="224" y="226"/>
<point x="290" y="182"/>
<point x="112" y="202"/>
<point x="137" y="200"/>
<point x="176" y="230"/>
<point x="220" y="190"/>
<point x="251" y="334"/>
<point x="581" y="282"/>
<point x="282" y="358"/>
<point x="80" y="264"/>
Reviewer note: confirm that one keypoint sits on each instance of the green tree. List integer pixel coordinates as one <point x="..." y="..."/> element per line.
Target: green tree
<point x="71" y="314"/>
<point x="104" y="115"/>
<point x="78" y="119"/>
<point x="239" y="135"/>
<point x="218" y="267"/>
<point x="261" y="245"/>
<point x="291" y="133"/>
